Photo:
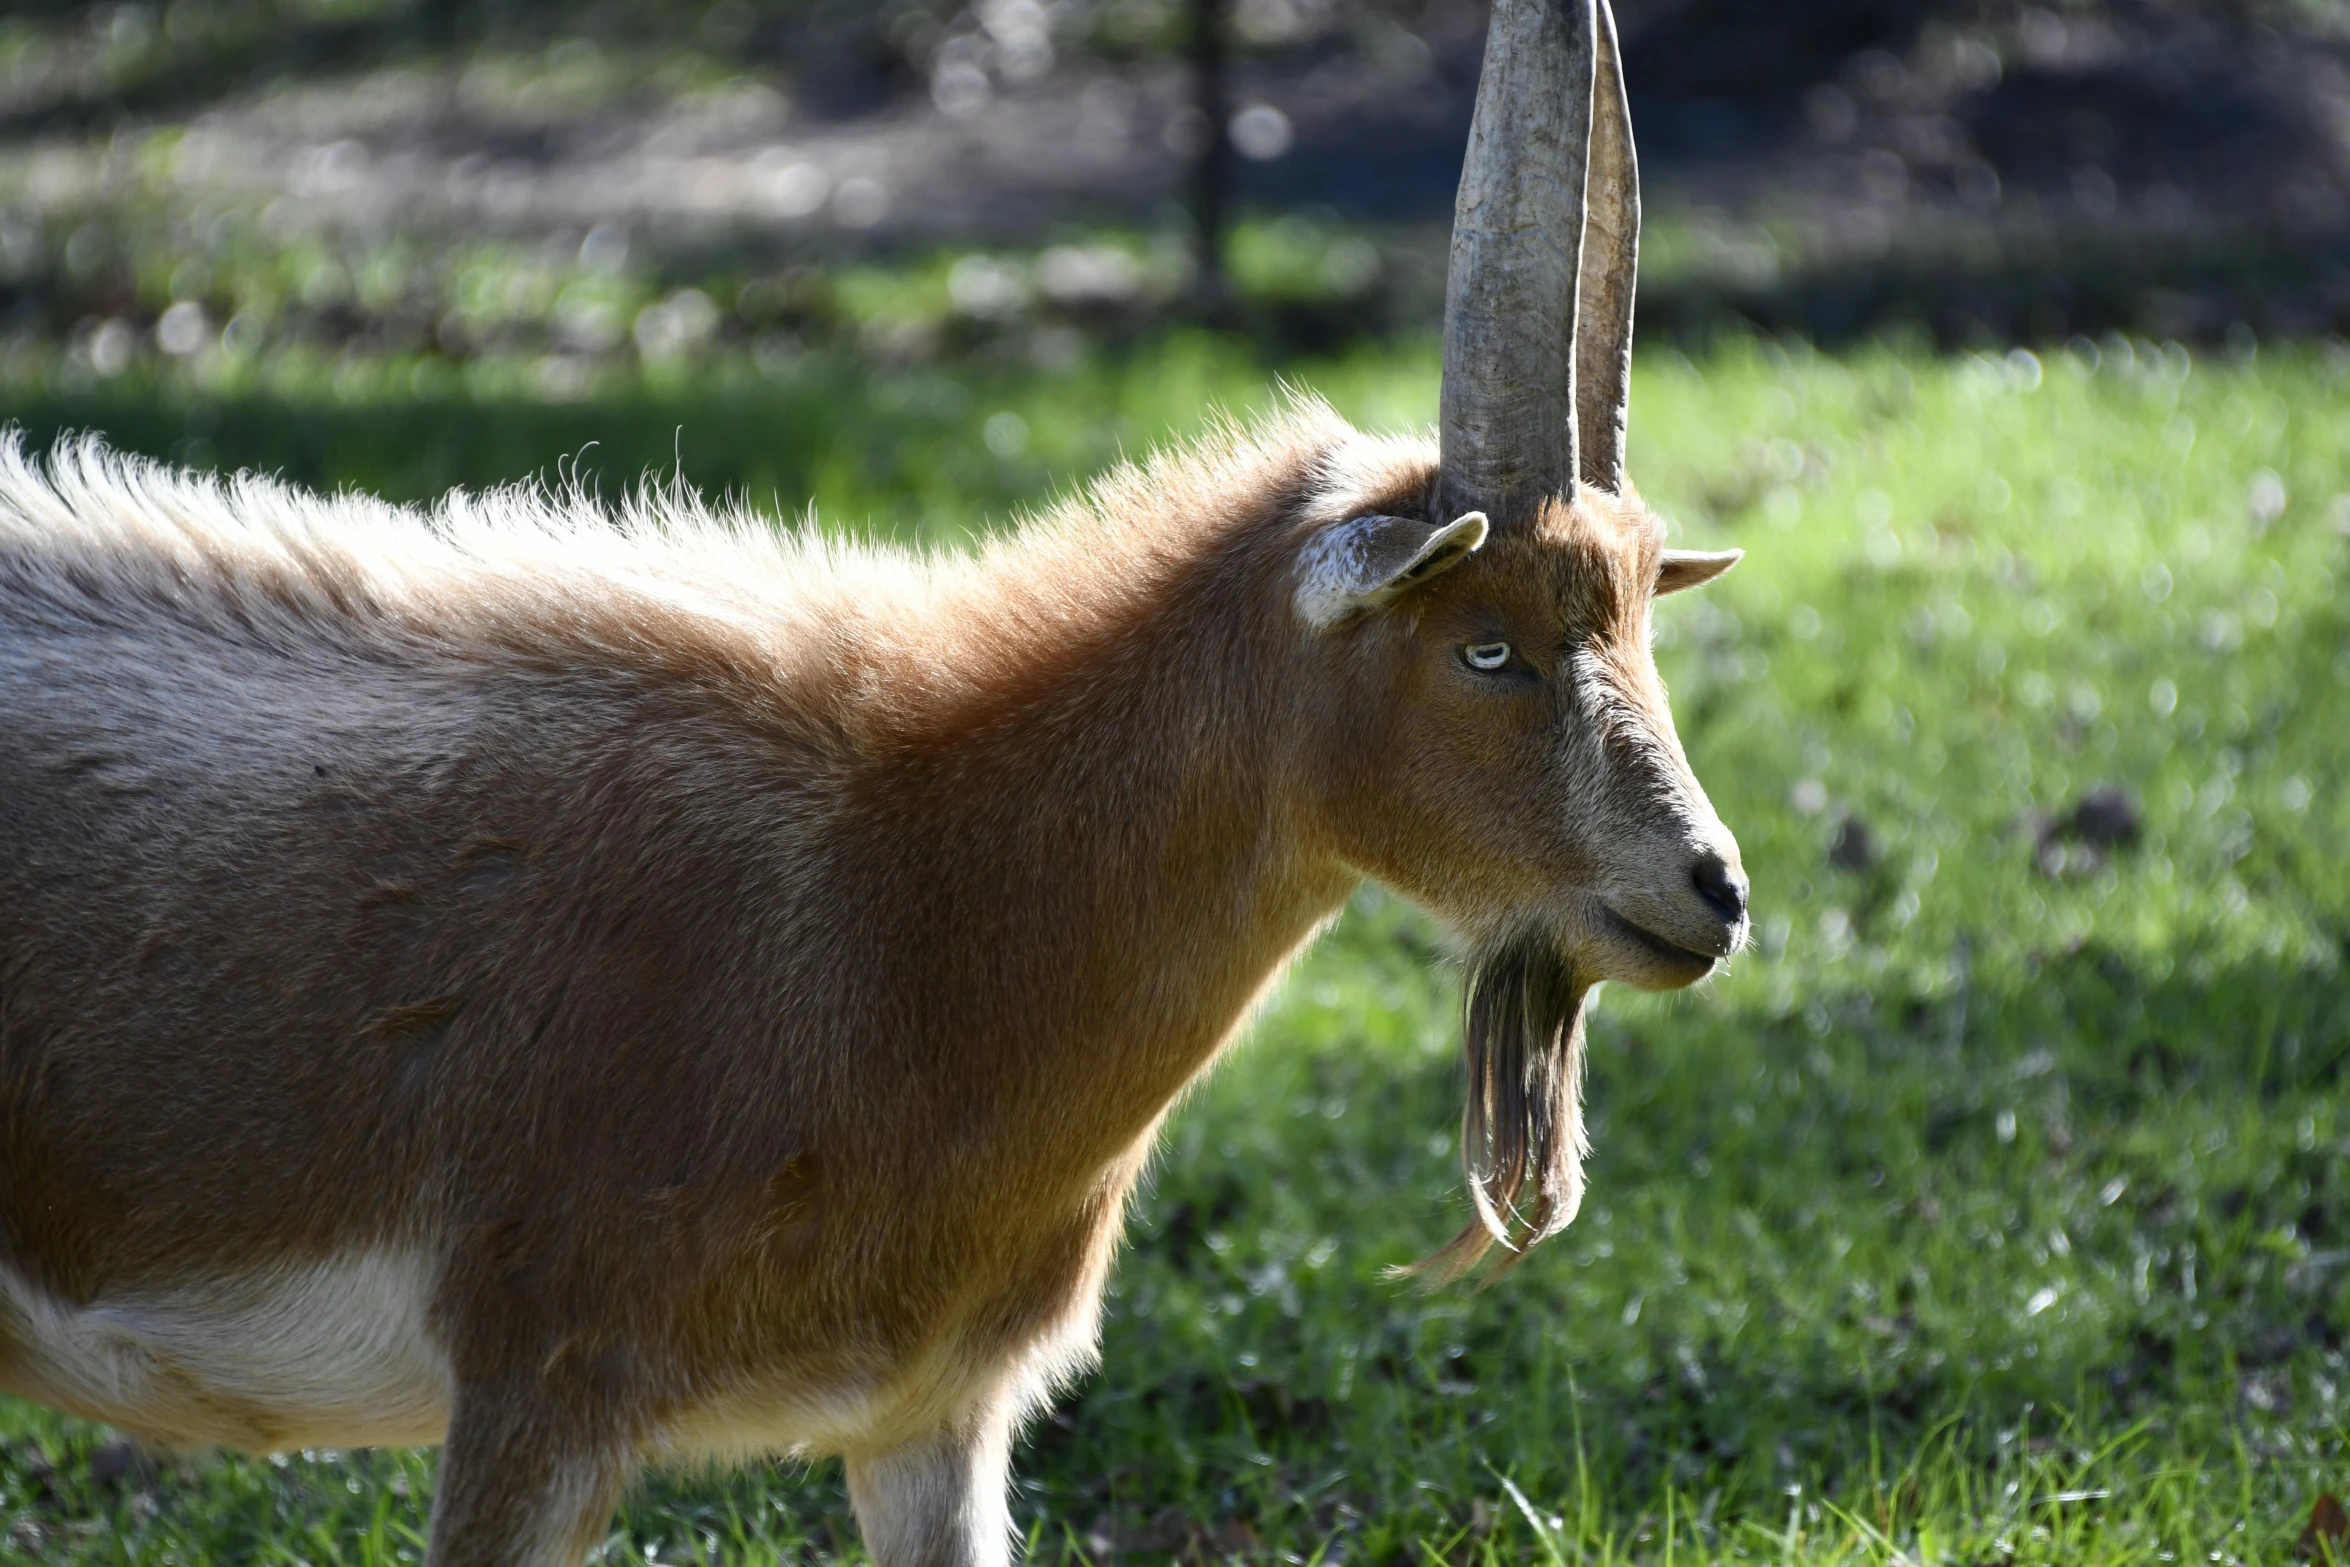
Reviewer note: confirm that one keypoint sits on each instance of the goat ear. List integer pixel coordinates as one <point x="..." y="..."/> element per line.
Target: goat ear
<point x="1366" y="561"/>
<point x="1684" y="569"/>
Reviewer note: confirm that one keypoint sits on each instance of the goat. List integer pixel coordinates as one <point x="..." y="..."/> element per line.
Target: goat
<point x="594" y="991"/>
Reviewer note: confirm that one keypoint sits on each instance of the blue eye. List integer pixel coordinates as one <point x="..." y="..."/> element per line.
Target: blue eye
<point x="1486" y="655"/>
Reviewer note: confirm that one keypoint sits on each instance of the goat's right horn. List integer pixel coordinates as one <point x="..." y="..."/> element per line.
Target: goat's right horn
<point x="1508" y="409"/>
<point x="1611" y="252"/>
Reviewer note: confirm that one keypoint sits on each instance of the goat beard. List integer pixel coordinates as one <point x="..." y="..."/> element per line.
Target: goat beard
<point x="1522" y="1137"/>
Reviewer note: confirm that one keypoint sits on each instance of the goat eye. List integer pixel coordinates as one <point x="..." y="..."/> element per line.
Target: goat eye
<point x="1486" y="655"/>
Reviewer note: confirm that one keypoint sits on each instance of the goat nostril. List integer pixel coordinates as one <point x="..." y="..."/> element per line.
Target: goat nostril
<point x="1723" y="889"/>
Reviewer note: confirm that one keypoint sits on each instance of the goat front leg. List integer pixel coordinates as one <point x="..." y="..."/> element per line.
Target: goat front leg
<point x="939" y="1501"/>
<point x="521" y="1484"/>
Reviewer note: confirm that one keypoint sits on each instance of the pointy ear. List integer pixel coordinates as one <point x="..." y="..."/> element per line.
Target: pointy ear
<point x="1683" y="569"/>
<point x="1364" y="562"/>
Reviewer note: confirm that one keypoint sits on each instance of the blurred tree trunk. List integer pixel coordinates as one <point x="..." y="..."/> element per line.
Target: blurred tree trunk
<point x="1211" y="168"/>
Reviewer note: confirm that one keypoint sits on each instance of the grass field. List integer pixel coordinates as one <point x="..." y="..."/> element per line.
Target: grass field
<point x="1992" y="1210"/>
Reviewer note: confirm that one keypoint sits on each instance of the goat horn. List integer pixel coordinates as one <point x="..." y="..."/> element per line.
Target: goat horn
<point x="1611" y="249"/>
<point x="1507" y="425"/>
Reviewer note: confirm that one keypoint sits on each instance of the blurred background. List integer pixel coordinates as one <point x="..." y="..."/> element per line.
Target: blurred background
<point x="571" y="189"/>
<point x="1993" y="1209"/>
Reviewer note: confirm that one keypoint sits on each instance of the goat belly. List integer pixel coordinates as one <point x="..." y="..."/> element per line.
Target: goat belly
<point x="330" y="1354"/>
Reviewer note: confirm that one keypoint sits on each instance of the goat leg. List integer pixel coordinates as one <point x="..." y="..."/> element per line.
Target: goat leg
<point x="515" y="1490"/>
<point x="938" y="1501"/>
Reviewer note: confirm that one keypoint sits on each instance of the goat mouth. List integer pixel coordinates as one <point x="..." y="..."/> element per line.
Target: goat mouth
<point x="1670" y="951"/>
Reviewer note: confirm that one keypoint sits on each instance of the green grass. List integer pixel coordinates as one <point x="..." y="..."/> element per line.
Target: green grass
<point x="1992" y="1210"/>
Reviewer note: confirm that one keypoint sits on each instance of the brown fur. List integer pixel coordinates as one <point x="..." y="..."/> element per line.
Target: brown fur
<point x="740" y="977"/>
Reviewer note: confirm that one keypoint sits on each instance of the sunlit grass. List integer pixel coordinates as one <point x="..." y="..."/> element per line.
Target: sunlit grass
<point x="1992" y="1209"/>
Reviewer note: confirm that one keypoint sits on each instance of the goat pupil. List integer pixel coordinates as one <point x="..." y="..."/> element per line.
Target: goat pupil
<point x="1489" y="655"/>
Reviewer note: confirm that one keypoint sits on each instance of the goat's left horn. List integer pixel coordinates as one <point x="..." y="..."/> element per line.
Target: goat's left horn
<point x="1507" y="421"/>
<point x="1611" y="256"/>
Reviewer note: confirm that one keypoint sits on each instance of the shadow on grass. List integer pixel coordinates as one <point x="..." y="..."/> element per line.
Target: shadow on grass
<point x="2105" y="1189"/>
<point x="2199" y="287"/>
<point x="228" y="52"/>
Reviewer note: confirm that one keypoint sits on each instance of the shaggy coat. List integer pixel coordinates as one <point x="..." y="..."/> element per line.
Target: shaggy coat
<point x="599" y="992"/>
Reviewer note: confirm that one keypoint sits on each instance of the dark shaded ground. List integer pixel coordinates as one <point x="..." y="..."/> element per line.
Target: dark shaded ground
<point x="1977" y="171"/>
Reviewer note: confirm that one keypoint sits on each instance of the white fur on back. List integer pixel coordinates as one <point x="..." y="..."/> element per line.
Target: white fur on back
<point x="94" y="533"/>
<point x="91" y="528"/>
<point x="333" y="1354"/>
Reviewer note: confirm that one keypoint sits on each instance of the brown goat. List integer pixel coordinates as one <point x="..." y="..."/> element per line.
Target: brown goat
<point x="594" y="994"/>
